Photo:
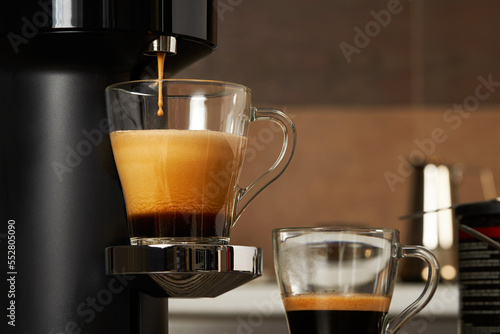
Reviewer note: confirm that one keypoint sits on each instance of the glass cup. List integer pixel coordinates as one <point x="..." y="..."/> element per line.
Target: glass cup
<point x="341" y="280"/>
<point x="179" y="147"/>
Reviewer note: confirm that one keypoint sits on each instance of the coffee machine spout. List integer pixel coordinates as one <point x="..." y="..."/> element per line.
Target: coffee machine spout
<point x="163" y="44"/>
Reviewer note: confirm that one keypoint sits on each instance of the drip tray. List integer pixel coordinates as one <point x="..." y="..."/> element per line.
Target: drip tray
<point x="187" y="270"/>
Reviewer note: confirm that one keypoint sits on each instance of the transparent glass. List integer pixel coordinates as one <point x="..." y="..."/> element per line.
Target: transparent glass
<point x="179" y="148"/>
<point x="341" y="280"/>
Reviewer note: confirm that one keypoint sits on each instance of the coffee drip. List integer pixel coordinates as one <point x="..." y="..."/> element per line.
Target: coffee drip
<point x="161" y="65"/>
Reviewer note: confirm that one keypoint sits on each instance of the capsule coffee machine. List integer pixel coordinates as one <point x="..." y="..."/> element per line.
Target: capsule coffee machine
<point x="61" y="203"/>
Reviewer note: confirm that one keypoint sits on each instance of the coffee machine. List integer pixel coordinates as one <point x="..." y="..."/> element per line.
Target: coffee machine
<point x="61" y="203"/>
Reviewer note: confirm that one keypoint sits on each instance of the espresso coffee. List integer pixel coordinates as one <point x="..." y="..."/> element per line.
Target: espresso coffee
<point x="332" y="314"/>
<point x="160" y="58"/>
<point x="179" y="184"/>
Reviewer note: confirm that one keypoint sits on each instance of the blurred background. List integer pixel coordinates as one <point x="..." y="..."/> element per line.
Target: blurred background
<point x="374" y="87"/>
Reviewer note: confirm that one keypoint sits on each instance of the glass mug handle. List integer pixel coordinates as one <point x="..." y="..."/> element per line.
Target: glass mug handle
<point x="393" y="325"/>
<point x="289" y="141"/>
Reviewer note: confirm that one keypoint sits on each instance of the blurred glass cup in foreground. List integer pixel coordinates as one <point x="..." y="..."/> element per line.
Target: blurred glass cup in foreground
<point x="341" y="280"/>
<point x="179" y="147"/>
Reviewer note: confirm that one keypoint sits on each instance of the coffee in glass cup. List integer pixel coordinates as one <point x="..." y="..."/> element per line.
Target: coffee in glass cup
<point x="341" y="280"/>
<point x="179" y="170"/>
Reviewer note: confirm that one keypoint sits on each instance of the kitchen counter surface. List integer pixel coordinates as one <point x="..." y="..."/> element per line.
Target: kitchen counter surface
<point x="256" y="308"/>
<point x="263" y="296"/>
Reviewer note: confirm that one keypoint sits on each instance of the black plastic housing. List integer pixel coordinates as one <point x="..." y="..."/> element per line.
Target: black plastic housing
<point x="61" y="203"/>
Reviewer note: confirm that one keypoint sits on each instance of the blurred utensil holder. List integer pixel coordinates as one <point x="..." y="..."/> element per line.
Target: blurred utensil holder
<point x="436" y="190"/>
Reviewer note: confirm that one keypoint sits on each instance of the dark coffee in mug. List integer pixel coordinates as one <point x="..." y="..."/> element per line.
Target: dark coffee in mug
<point x="332" y="313"/>
<point x="337" y="280"/>
<point x="179" y="184"/>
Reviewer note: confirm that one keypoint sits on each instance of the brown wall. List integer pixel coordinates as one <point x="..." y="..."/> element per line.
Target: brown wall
<point x="338" y="173"/>
<point x="288" y="51"/>
<point x="357" y="118"/>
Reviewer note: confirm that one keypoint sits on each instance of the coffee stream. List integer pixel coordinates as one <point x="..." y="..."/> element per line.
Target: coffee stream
<point x="161" y="62"/>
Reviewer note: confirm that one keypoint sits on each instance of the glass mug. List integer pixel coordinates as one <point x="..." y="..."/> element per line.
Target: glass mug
<point x="179" y="147"/>
<point x="341" y="280"/>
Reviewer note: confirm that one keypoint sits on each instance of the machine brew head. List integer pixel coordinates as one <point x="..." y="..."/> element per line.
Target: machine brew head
<point x="120" y="31"/>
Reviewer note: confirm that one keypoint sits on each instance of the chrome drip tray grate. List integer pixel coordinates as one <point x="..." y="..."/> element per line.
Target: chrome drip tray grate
<point x="187" y="270"/>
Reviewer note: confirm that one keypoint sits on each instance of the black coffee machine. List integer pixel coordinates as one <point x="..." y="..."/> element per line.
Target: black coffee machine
<point x="61" y="203"/>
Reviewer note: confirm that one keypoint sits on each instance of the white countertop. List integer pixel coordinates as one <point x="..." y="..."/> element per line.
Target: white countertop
<point x="262" y="296"/>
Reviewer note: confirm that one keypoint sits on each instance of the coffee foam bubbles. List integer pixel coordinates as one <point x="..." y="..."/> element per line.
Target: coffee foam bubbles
<point x="354" y="302"/>
<point x="169" y="171"/>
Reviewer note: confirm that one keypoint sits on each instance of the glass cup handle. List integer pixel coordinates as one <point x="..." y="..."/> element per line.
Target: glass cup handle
<point x="283" y="160"/>
<point x="393" y="325"/>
